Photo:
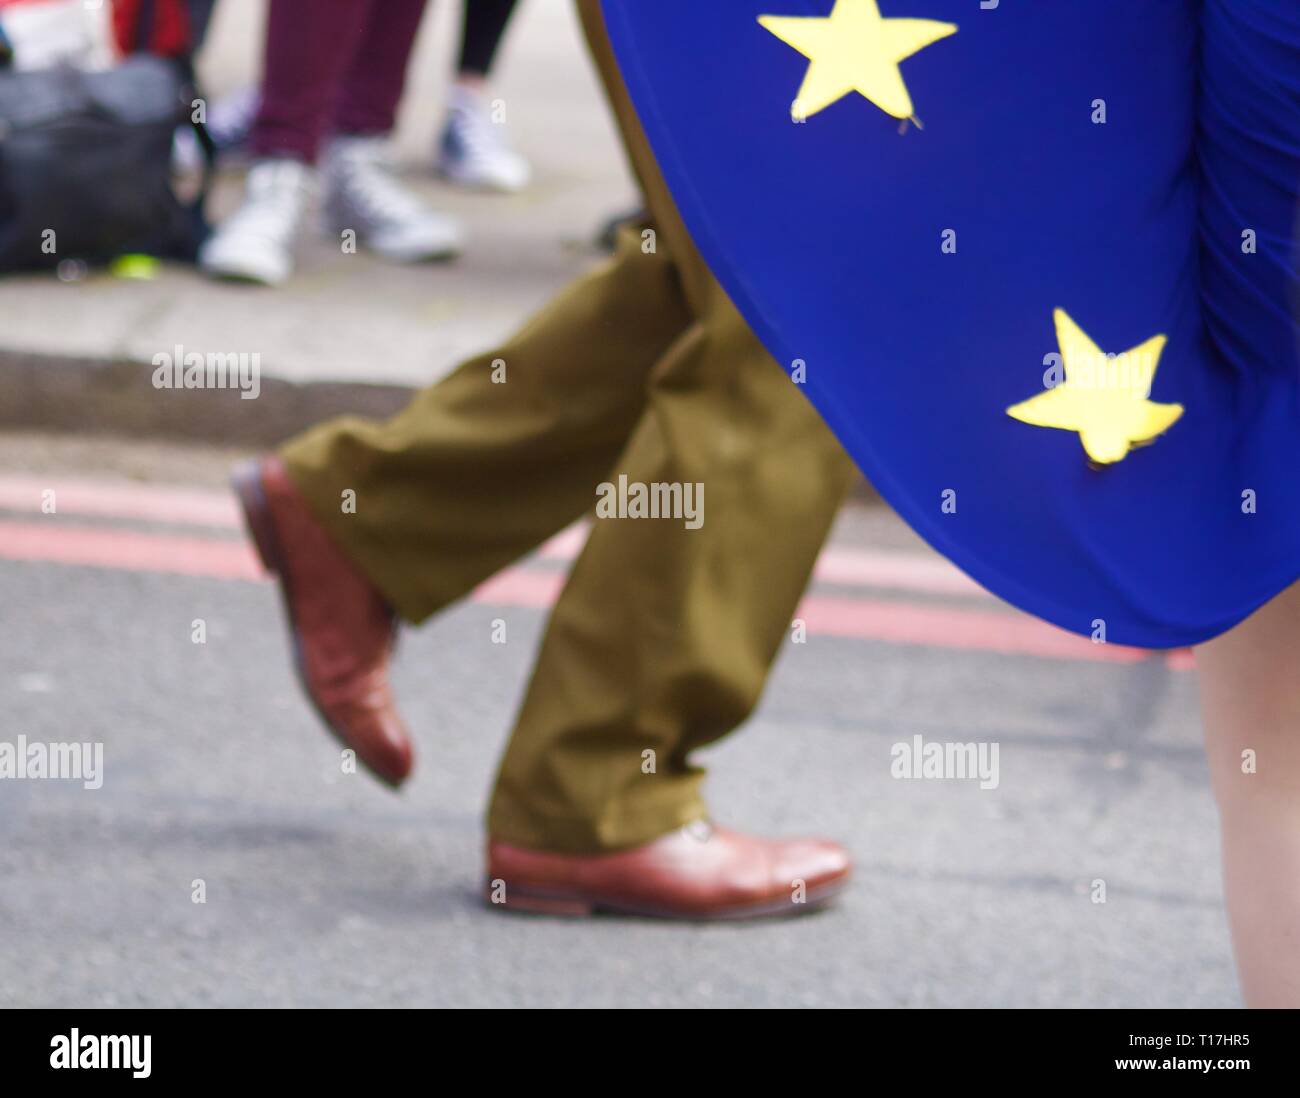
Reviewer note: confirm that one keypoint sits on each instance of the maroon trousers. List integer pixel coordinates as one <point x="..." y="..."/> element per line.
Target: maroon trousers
<point x="332" y="66"/>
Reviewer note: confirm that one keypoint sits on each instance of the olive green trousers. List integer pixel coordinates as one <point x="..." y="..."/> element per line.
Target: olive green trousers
<point x="663" y="635"/>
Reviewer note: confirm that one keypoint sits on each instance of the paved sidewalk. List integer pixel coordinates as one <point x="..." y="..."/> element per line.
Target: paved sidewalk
<point x="351" y="318"/>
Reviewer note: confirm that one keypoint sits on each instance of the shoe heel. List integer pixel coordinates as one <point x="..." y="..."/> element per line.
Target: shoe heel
<point x="535" y="904"/>
<point x="246" y="481"/>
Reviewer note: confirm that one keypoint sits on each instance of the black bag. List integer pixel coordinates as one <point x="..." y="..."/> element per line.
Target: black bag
<point x="86" y="156"/>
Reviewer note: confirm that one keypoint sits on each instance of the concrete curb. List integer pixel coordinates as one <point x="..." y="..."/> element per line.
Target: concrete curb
<point x="102" y="396"/>
<point x="117" y="397"/>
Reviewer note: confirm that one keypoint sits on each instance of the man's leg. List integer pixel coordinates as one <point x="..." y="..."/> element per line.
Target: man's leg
<point x="359" y="520"/>
<point x="507" y="450"/>
<point x="664" y="635"/>
<point x="471" y="476"/>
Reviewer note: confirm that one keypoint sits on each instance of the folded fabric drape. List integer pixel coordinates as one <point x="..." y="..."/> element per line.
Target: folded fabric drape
<point x="1035" y="266"/>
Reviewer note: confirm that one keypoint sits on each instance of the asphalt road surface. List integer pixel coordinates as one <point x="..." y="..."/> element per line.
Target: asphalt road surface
<point x="323" y="889"/>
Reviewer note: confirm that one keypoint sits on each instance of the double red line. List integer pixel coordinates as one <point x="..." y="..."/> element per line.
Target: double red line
<point x="957" y="615"/>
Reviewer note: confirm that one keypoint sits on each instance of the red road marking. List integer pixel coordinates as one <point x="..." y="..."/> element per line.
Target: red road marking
<point x="945" y="627"/>
<point x="132" y="550"/>
<point x="1008" y="632"/>
<point x="143" y="502"/>
<point x="190" y="507"/>
<point x="897" y="571"/>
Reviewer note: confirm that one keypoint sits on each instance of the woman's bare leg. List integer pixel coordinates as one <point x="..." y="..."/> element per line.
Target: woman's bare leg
<point x="1250" y="694"/>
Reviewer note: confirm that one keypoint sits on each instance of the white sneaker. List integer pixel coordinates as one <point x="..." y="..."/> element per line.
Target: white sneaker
<point x="362" y="194"/>
<point x="255" y="243"/>
<point x="474" y="151"/>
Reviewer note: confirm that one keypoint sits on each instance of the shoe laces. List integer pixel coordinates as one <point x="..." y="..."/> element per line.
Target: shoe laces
<point x="373" y="190"/>
<point x="478" y="136"/>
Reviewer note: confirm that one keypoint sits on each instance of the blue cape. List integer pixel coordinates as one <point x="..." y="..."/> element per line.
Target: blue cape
<point x="1132" y="167"/>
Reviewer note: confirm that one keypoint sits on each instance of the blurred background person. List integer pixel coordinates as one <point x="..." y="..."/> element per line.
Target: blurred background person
<point x="332" y="79"/>
<point x="473" y="150"/>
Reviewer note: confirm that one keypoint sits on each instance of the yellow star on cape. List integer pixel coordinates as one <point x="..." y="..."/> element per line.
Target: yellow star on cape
<point x="1103" y="397"/>
<point x="854" y="49"/>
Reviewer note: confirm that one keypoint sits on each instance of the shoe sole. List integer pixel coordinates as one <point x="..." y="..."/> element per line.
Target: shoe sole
<point x="450" y="173"/>
<point x="445" y="253"/>
<point x="413" y="259"/>
<point x="244" y="278"/>
<point x="243" y="275"/>
<point x="569" y="905"/>
<point x="478" y="186"/>
<point x="246" y="481"/>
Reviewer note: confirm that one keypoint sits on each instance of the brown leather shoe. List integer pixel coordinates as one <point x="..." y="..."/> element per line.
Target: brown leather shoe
<point x="697" y="872"/>
<point x="341" y="628"/>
